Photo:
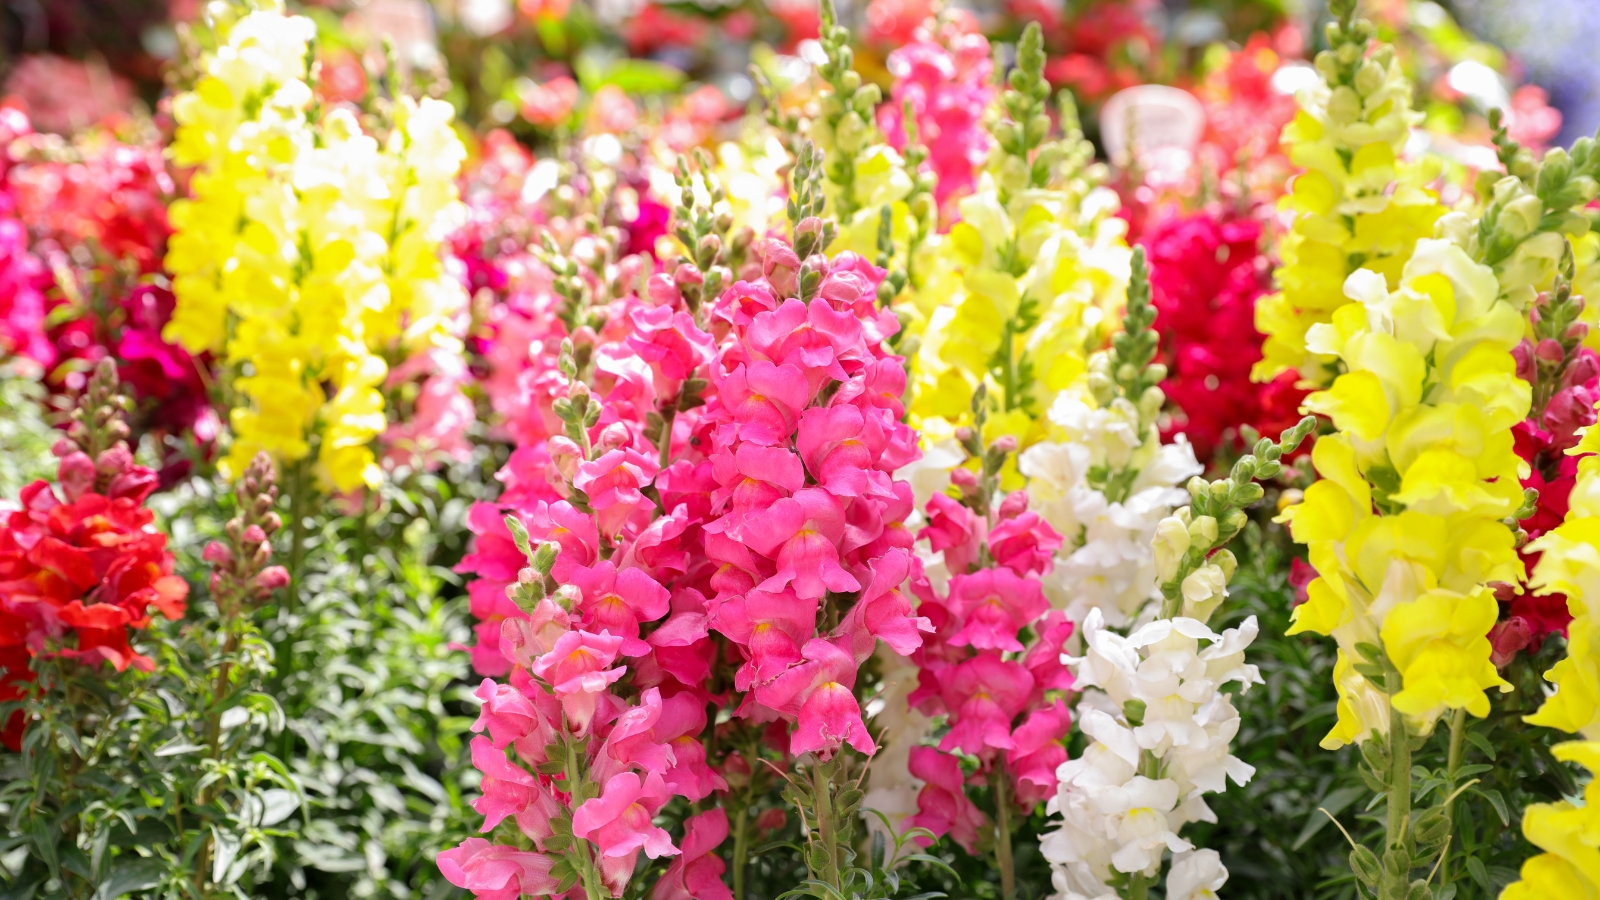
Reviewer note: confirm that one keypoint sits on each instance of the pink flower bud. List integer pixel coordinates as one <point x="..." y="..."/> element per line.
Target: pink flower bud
<point x="565" y="456"/>
<point x="218" y="554"/>
<point x="254" y="535"/>
<point x="1577" y="331"/>
<point x="272" y="578"/>
<point x="1550" y="350"/>
<point x="76" y="473"/>
<point x="1507" y="638"/>
<point x="662" y="291"/>
<point x="63" y="447"/>
<point x="1015" y="504"/>
<point x="1569" y="410"/>
<point x="114" y="461"/>
<point x="964" y="478"/>
<point x="613" y="437"/>
<point x="1005" y="444"/>
<point x="1523" y="354"/>
<point x="1585" y="366"/>
<point x="687" y="274"/>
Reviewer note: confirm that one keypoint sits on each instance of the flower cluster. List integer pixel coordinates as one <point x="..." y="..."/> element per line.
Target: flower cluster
<point x="81" y="559"/>
<point x="308" y="248"/>
<point x="718" y="462"/>
<point x="1354" y="199"/>
<point x="1159" y="732"/>
<point x="1004" y="701"/>
<point x="1159" y="729"/>
<point x="1036" y="266"/>
<point x="1424" y="417"/>
<point x="1207" y="272"/>
<point x="942" y="79"/>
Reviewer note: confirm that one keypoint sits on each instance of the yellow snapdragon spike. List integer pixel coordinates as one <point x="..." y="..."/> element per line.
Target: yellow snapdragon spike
<point x="1356" y="204"/>
<point x="1423" y="412"/>
<point x="307" y="249"/>
<point x="1569" y="835"/>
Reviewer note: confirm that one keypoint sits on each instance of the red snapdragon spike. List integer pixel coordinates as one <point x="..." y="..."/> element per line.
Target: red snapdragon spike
<point x="1205" y="276"/>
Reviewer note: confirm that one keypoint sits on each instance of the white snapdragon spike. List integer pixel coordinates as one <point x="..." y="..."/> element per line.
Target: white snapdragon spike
<point x="1106" y="561"/>
<point x="1124" y="801"/>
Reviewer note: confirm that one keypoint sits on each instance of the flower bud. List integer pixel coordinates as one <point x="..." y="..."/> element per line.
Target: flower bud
<point x="272" y="578"/>
<point x="1585" y="366"/>
<point x="1523" y="355"/>
<point x="218" y="554"/>
<point x="1015" y="504"/>
<point x="1507" y="638"/>
<point x="1170" y="544"/>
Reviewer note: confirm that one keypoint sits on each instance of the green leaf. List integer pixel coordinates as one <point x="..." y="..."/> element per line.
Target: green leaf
<point x="1477" y="739"/>
<point x="1478" y="872"/>
<point x="130" y="874"/>
<point x="1498" y="802"/>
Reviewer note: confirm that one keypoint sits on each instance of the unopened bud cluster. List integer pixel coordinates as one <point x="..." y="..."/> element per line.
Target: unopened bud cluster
<point x="240" y="570"/>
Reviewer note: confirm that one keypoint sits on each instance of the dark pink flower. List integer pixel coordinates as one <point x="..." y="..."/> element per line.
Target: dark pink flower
<point x="953" y="529"/>
<point x="616" y="602"/>
<point x="802" y="534"/>
<point x="1024" y="543"/>
<point x="576" y="668"/>
<point x="696" y="874"/>
<point x="510" y="790"/>
<point x="942" y="805"/>
<point x="983" y="694"/>
<point x="1040" y="749"/>
<point x="992" y="606"/>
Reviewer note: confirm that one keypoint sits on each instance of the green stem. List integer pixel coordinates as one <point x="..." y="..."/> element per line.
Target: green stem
<point x="1000" y="778"/>
<point x="1399" y="812"/>
<point x="741" y="846"/>
<point x="1008" y="351"/>
<point x="297" y="533"/>
<point x="1458" y="734"/>
<point x="822" y="794"/>
<point x="588" y="873"/>
<point x="1138" y="887"/>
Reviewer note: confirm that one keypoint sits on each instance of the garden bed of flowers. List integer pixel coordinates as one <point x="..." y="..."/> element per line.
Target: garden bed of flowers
<point x="759" y="450"/>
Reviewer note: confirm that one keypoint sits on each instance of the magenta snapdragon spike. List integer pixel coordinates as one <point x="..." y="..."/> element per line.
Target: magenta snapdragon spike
<point x="993" y="668"/>
<point x="705" y="456"/>
<point x="944" y="80"/>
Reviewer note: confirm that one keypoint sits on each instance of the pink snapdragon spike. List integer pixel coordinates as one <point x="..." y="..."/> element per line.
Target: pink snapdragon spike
<point x="944" y="75"/>
<point x="993" y="665"/>
<point x="700" y="516"/>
